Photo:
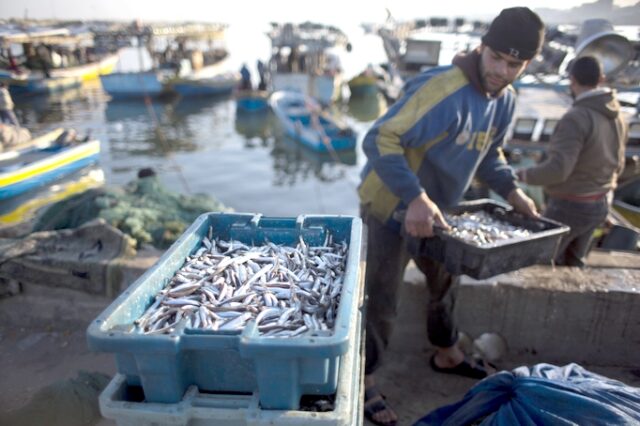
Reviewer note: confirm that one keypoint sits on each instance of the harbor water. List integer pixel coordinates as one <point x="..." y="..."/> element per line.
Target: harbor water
<point x="203" y="145"/>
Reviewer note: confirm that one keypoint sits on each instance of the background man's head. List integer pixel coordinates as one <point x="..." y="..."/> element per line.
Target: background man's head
<point x="587" y="71"/>
<point x="516" y="31"/>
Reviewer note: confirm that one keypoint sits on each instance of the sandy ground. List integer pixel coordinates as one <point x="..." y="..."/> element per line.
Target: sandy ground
<point x="43" y="351"/>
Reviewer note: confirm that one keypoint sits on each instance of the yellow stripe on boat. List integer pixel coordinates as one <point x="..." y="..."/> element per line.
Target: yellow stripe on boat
<point x="29" y="208"/>
<point x="73" y="154"/>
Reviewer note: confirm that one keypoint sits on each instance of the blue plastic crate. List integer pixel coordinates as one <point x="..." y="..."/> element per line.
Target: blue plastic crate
<point x="281" y="370"/>
<point x="121" y="402"/>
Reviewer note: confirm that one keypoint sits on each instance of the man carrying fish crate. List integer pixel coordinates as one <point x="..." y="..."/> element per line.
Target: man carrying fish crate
<point x="422" y="155"/>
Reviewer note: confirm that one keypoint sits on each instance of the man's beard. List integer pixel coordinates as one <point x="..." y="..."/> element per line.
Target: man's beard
<point x="484" y="78"/>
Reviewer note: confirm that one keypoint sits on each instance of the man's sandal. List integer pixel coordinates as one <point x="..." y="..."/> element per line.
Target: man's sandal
<point x="373" y="408"/>
<point x="467" y="368"/>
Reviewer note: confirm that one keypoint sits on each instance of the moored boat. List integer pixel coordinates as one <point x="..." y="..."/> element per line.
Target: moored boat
<point x="252" y="100"/>
<point x="24" y="207"/>
<point x="63" y="59"/>
<point x="133" y="84"/>
<point x="627" y="200"/>
<point x="42" y="161"/>
<point x="221" y="84"/>
<point x="171" y="59"/>
<point x="363" y="85"/>
<point x="303" y="119"/>
<point x="307" y="59"/>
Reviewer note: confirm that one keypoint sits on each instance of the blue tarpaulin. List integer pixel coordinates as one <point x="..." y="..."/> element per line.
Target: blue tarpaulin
<point x="542" y="395"/>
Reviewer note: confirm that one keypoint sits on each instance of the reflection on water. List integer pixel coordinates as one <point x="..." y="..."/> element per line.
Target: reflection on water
<point x="204" y="146"/>
<point x="83" y="104"/>
<point x="367" y="107"/>
<point x="256" y="127"/>
<point x="293" y="162"/>
<point x="147" y="129"/>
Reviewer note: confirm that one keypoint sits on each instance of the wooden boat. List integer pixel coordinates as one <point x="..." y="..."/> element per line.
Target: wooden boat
<point x="31" y="79"/>
<point x="220" y="84"/>
<point x="413" y="46"/>
<point x="363" y="85"/>
<point x="627" y="200"/>
<point x="303" y="119"/>
<point x="42" y="161"/>
<point x="307" y="59"/>
<point x="24" y="207"/>
<point x="187" y="69"/>
<point x="134" y="84"/>
<point x="252" y="100"/>
<point x="376" y="78"/>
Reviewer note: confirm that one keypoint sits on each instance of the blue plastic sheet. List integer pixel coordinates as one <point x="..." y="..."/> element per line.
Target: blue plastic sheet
<point x="542" y="395"/>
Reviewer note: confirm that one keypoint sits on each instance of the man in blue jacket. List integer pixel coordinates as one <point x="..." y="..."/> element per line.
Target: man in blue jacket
<point x="422" y="155"/>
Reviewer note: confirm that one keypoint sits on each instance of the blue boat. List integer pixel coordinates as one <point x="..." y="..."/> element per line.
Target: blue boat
<point x="220" y="84"/>
<point x="305" y="121"/>
<point x="252" y="100"/>
<point x="134" y="84"/>
<point x="42" y="161"/>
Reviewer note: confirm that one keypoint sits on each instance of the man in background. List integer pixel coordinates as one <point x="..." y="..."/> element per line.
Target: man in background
<point x="583" y="162"/>
<point x="7" y="115"/>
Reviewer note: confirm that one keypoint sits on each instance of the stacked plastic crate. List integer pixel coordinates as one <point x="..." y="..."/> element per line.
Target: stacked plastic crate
<point x="240" y="377"/>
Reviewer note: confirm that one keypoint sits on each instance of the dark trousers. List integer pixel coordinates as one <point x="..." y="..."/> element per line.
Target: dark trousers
<point x="583" y="217"/>
<point x="387" y="258"/>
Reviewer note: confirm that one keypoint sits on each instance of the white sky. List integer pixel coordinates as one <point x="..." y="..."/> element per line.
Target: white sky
<point x="337" y="12"/>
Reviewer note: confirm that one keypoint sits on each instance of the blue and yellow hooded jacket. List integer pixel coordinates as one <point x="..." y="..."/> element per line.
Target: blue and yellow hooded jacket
<point x="444" y="130"/>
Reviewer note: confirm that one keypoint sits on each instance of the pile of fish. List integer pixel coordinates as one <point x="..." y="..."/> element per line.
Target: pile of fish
<point x="480" y="228"/>
<point x="287" y="291"/>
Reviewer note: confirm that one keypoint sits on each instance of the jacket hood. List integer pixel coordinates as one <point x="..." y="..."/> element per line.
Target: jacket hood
<point x="602" y="100"/>
<point x="469" y="63"/>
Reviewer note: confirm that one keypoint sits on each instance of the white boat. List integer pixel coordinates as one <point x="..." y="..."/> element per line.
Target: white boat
<point x="412" y="48"/>
<point x="32" y="79"/>
<point x="307" y="59"/>
<point x="186" y="70"/>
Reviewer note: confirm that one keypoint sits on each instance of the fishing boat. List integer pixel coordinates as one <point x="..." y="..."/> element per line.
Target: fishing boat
<point x="593" y="37"/>
<point x="25" y="207"/>
<point x="252" y="100"/>
<point x="171" y="61"/>
<point x="627" y="200"/>
<point x="303" y="119"/>
<point x="363" y="84"/>
<point x="42" y="69"/>
<point x="134" y="84"/>
<point x="307" y="59"/>
<point x="417" y="45"/>
<point x="43" y="160"/>
<point x="220" y="84"/>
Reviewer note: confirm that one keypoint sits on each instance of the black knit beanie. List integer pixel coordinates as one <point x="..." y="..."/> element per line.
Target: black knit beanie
<point x="517" y="31"/>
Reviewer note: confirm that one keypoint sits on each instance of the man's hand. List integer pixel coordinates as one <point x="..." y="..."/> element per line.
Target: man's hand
<point x="521" y="203"/>
<point x="422" y="215"/>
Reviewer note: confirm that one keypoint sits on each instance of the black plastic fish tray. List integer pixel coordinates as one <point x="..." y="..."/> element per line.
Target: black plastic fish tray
<point x="479" y="262"/>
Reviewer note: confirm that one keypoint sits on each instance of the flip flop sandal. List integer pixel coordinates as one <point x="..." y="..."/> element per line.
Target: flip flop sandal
<point x="466" y="368"/>
<point x="373" y="408"/>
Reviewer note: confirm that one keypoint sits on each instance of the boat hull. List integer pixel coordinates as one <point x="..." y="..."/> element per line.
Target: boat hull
<point x="220" y="84"/>
<point x="59" y="162"/>
<point x="133" y="85"/>
<point x="254" y="101"/>
<point x="324" y="88"/>
<point x="35" y="82"/>
<point x="198" y="89"/>
<point x="362" y="85"/>
<point x="322" y="134"/>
